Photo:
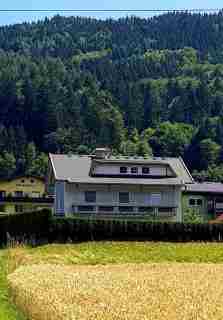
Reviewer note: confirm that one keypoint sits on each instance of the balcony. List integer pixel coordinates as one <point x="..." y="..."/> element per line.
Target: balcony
<point x="26" y="199"/>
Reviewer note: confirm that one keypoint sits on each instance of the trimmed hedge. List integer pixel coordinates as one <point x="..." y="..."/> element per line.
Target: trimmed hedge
<point x="36" y="228"/>
<point x="68" y="229"/>
<point x="31" y="227"/>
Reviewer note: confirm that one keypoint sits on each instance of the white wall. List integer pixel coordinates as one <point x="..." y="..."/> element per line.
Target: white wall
<point x="115" y="169"/>
<point x="109" y="195"/>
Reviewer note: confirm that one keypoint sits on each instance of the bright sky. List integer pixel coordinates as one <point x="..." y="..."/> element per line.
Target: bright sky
<point x="9" y="18"/>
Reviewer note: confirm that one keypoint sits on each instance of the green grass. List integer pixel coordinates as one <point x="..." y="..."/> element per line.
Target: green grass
<point x="128" y="252"/>
<point x="102" y="253"/>
<point x="7" y="310"/>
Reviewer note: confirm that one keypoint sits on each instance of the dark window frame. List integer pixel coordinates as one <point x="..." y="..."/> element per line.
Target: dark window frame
<point x="192" y="202"/>
<point x="123" y="169"/>
<point x="134" y="170"/>
<point x="199" y="202"/>
<point x="124" y="197"/>
<point x="126" y="209"/>
<point x="90" y="196"/>
<point x="106" y="209"/>
<point x="86" y="208"/>
<point x="145" y="170"/>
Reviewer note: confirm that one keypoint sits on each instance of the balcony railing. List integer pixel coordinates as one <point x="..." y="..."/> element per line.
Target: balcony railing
<point x="26" y="199"/>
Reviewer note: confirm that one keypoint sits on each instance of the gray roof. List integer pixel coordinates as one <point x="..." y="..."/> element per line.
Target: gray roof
<point x="205" y="187"/>
<point x="76" y="169"/>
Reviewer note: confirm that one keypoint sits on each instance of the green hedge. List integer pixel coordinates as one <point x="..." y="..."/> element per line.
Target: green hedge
<point x="23" y="227"/>
<point x="38" y="227"/>
<point x="68" y="229"/>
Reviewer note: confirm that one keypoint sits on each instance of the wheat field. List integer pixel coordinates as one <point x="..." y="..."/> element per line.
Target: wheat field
<point x="119" y="292"/>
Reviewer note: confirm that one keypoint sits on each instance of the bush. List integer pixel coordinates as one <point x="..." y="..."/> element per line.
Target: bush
<point x="192" y="216"/>
<point x="62" y="229"/>
<point x="24" y="227"/>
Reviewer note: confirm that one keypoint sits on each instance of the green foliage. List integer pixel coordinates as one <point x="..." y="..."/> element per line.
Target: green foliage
<point x="171" y="139"/>
<point x="209" y="152"/>
<point x="7" y="309"/>
<point x="192" y="216"/>
<point x="7" y="164"/>
<point x="66" y="82"/>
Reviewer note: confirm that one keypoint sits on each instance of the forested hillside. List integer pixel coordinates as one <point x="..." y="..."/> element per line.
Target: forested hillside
<point x="139" y="86"/>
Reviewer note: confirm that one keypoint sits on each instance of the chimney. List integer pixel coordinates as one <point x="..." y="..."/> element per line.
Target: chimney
<point x="102" y="153"/>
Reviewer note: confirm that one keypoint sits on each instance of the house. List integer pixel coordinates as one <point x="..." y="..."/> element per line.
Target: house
<point x="21" y="194"/>
<point x="204" y="198"/>
<point x="102" y="184"/>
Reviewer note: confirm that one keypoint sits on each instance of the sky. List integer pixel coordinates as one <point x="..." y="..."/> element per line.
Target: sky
<point x="57" y="5"/>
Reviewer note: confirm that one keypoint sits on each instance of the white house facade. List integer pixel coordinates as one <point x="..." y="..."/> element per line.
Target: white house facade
<point x="101" y="184"/>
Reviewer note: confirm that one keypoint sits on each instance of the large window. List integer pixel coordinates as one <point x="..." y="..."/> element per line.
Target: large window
<point x="90" y="196"/>
<point x="124" y="197"/>
<point x="155" y="199"/>
<point x="145" y="170"/>
<point x="123" y="169"/>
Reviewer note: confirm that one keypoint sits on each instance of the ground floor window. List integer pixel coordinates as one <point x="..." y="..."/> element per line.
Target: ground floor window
<point x="85" y="208"/>
<point x="124" y="197"/>
<point x="90" y="196"/>
<point x="195" y="202"/>
<point x="106" y="209"/>
<point x="155" y="199"/>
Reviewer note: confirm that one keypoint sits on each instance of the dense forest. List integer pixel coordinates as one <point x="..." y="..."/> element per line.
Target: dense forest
<point x="140" y="86"/>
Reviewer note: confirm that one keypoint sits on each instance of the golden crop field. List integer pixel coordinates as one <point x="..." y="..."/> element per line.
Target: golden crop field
<point x="175" y="291"/>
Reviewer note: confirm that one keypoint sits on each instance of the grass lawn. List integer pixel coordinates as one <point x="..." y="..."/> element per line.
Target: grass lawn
<point x="7" y="310"/>
<point x="107" y="254"/>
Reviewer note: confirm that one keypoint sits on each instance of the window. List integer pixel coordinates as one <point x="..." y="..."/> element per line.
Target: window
<point x="106" y="209"/>
<point x="18" y="194"/>
<point x="145" y="170"/>
<point x="191" y="202"/>
<point x="85" y="208"/>
<point x="90" y="196"/>
<point x="146" y="210"/>
<point x="123" y="169"/>
<point x="165" y="210"/>
<point x="23" y="181"/>
<point x="155" y="199"/>
<point x="195" y="202"/>
<point x="32" y="181"/>
<point x="2" y="194"/>
<point x="123" y="197"/>
<point x="134" y="170"/>
<point x="125" y="209"/>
